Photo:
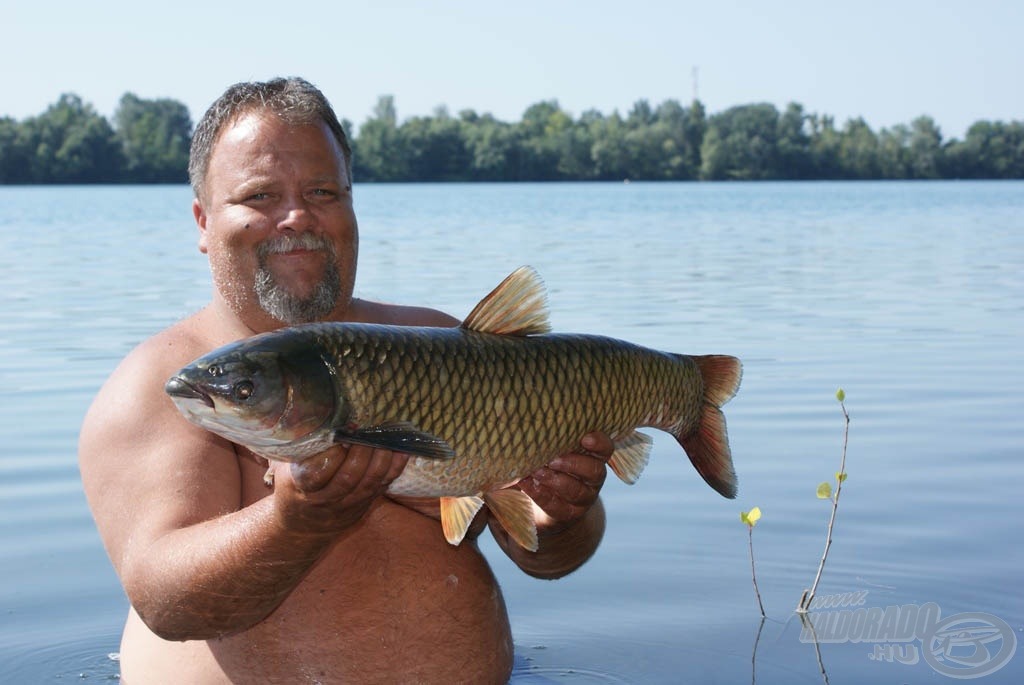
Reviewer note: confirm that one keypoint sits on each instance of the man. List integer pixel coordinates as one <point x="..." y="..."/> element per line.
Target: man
<point x="318" y="578"/>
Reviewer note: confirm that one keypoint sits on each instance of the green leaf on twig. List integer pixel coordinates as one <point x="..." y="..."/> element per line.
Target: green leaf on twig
<point x="825" y="491"/>
<point x="751" y="517"/>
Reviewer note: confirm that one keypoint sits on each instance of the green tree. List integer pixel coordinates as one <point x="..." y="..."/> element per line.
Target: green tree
<point x="990" y="150"/>
<point x="693" y="134"/>
<point x="434" y="148"/>
<point x="71" y="143"/>
<point x="925" y="148"/>
<point x="641" y="116"/>
<point x="676" y="134"/>
<point x="741" y="144"/>
<point x="492" y="146"/>
<point x="793" y="144"/>
<point x="892" y="152"/>
<point x="654" y="141"/>
<point x="541" y="129"/>
<point x="378" y="154"/>
<point x="610" y="150"/>
<point x="858" y="151"/>
<point x="824" y="147"/>
<point x="573" y="144"/>
<point x="14" y="153"/>
<point x="155" y="137"/>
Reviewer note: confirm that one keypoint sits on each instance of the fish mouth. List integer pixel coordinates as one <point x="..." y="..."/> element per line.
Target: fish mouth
<point x="180" y="388"/>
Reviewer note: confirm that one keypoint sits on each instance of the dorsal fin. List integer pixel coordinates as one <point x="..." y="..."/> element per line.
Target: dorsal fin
<point x="518" y="306"/>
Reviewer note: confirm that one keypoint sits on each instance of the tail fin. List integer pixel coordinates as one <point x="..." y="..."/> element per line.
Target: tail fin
<point x="708" y="445"/>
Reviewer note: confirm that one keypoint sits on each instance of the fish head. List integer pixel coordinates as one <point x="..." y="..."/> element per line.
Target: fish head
<point x="263" y="397"/>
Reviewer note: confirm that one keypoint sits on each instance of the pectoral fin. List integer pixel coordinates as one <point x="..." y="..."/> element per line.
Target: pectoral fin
<point x="514" y="511"/>
<point x="630" y="456"/>
<point x="456" y="515"/>
<point x="398" y="437"/>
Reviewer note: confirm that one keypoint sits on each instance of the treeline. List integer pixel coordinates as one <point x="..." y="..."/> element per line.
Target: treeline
<point x="148" y="140"/>
<point x="671" y="142"/>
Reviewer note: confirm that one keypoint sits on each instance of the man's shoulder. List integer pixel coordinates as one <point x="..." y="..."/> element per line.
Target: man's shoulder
<point x="165" y="352"/>
<point x="179" y="342"/>
<point x="368" y="311"/>
<point x="131" y="401"/>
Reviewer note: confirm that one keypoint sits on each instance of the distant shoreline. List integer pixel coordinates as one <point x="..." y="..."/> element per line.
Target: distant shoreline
<point x="147" y="142"/>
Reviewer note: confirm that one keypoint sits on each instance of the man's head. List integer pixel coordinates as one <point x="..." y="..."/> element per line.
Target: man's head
<point x="293" y="100"/>
<point x="270" y="169"/>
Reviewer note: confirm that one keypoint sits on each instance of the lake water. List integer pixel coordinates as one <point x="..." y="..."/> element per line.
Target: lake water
<point x="908" y="295"/>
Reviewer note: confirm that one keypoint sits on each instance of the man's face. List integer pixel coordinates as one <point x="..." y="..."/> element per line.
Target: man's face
<point x="277" y="222"/>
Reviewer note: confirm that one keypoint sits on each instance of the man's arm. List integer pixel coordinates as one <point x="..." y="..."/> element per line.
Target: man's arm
<point x="167" y="498"/>
<point x="570" y="515"/>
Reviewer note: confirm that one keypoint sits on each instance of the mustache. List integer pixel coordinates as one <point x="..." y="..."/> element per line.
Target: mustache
<point x="288" y="242"/>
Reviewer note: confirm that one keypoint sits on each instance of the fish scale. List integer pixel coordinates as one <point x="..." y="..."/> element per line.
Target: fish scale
<point x="552" y="389"/>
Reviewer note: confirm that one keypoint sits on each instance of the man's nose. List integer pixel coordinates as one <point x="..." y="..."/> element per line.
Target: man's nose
<point x="296" y="215"/>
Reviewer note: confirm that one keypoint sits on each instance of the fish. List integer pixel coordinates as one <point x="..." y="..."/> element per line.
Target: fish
<point x="476" y="407"/>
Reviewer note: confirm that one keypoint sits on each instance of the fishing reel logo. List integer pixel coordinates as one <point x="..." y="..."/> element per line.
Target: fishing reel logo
<point x="963" y="646"/>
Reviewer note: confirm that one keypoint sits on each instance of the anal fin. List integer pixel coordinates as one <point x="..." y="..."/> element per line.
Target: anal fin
<point x="514" y="510"/>
<point x="630" y="457"/>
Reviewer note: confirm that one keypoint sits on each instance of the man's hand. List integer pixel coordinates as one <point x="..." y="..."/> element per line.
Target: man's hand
<point x="569" y="485"/>
<point x="329" y="492"/>
<point x="570" y="516"/>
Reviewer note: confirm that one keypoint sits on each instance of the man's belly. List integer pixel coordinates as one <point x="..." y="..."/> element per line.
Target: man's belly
<point x="390" y="602"/>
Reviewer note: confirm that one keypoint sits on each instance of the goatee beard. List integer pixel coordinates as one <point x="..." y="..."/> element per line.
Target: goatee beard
<point x="288" y="307"/>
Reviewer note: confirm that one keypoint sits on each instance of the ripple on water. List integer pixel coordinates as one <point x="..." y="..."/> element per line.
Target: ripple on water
<point x="85" y="658"/>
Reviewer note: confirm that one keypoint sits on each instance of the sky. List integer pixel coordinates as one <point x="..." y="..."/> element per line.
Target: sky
<point x="888" y="62"/>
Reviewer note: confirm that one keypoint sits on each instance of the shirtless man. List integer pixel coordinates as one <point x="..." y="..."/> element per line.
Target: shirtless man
<point x="319" y="578"/>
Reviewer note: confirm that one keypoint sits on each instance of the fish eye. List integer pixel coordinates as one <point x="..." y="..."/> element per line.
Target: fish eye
<point x="243" y="390"/>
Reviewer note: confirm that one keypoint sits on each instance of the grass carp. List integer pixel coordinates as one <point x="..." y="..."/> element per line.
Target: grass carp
<point x="477" y="407"/>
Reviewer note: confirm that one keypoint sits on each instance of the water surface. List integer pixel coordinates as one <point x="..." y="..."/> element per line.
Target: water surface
<point x="908" y="295"/>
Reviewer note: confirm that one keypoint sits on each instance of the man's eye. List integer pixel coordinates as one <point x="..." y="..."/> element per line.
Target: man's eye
<point x="256" y="197"/>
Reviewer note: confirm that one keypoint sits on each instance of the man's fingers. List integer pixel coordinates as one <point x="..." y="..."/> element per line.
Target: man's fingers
<point x="590" y="470"/>
<point x="315" y="473"/>
<point x="359" y="470"/>
<point x="598" y="444"/>
<point x="568" y="487"/>
<point x="557" y="504"/>
<point x="384" y="467"/>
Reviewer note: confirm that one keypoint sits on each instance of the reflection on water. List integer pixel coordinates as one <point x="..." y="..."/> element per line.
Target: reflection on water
<point x="908" y="295"/>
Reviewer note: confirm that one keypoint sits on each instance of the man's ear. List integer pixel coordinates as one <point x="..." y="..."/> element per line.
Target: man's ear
<point x="200" y="217"/>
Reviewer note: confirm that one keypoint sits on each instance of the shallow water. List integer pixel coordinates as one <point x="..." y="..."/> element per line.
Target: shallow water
<point x="908" y="295"/>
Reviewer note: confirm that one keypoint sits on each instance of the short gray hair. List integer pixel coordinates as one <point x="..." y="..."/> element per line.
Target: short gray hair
<point x="293" y="99"/>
